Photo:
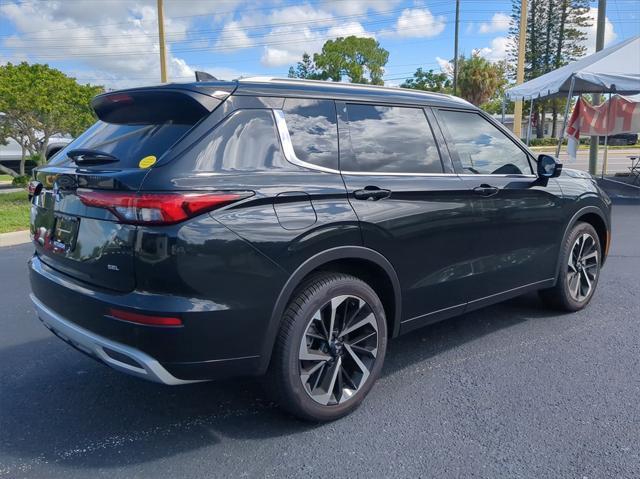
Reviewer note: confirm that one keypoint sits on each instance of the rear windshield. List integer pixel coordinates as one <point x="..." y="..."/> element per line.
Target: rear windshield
<point x="128" y="143"/>
<point x="138" y="124"/>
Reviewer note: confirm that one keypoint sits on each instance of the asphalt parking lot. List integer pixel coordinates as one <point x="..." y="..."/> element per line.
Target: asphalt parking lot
<point x="513" y="390"/>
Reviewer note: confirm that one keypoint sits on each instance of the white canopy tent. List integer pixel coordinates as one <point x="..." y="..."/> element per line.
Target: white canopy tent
<point x="613" y="70"/>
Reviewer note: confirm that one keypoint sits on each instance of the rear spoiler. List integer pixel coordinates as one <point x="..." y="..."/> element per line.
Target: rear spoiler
<point x="161" y="104"/>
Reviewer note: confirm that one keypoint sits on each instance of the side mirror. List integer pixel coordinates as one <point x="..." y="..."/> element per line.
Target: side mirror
<point x="548" y="167"/>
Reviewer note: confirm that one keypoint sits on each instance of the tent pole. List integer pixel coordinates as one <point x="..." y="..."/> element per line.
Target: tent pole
<point x="529" y="122"/>
<point x="606" y="139"/>
<point x="566" y="114"/>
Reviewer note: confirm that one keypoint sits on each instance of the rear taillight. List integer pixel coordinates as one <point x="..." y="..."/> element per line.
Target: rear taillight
<point x="34" y="188"/>
<point x="157" y="208"/>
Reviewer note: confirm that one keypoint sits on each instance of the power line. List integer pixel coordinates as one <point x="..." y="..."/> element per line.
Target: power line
<point x="63" y="56"/>
<point x="232" y="46"/>
<point x="244" y="10"/>
<point x="320" y="22"/>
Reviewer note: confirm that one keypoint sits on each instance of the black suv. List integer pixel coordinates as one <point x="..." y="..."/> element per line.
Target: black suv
<point x="290" y="228"/>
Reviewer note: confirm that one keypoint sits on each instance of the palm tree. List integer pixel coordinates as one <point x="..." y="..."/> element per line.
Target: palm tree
<point x="479" y="79"/>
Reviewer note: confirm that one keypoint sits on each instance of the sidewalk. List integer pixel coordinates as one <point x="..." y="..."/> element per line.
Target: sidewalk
<point x="14" y="238"/>
<point x="7" y="187"/>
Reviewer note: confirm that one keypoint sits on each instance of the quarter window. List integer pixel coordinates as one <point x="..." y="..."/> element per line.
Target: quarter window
<point x="390" y="139"/>
<point x="246" y="141"/>
<point x="314" y="131"/>
<point x="483" y="148"/>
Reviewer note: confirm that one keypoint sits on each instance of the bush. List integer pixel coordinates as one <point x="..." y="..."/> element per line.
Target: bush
<point x="21" y="181"/>
<point x="36" y="158"/>
<point x="544" y="141"/>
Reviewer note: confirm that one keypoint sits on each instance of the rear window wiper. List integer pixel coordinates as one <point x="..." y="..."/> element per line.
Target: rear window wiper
<point x="88" y="156"/>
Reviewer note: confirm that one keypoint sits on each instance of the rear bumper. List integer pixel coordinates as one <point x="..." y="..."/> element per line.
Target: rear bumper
<point x="116" y="355"/>
<point x="212" y="344"/>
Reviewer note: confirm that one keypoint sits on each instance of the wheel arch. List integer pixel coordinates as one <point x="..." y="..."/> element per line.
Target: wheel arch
<point x="596" y="218"/>
<point x="364" y="263"/>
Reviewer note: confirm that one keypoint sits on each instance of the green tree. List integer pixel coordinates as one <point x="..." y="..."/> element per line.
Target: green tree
<point x="306" y="69"/>
<point x="429" y="81"/>
<point x="555" y="36"/>
<point x="37" y="102"/>
<point x="361" y="60"/>
<point x="479" y="79"/>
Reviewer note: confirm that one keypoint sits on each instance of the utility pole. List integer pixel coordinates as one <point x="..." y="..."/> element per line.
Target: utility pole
<point x="163" y="51"/>
<point x="600" y="25"/>
<point x="455" y="50"/>
<point x="522" y="40"/>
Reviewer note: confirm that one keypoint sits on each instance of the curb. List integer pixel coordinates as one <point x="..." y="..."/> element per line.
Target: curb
<point x="14" y="238"/>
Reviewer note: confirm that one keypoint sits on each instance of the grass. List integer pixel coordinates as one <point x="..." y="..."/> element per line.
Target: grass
<point x="5" y="178"/>
<point x="14" y="211"/>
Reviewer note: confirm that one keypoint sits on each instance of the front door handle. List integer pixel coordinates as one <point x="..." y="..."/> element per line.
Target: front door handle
<point x="371" y="193"/>
<point x="486" y="190"/>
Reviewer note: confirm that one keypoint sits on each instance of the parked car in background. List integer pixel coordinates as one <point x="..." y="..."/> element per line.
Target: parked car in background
<point x="621" y="139"/>
<point x="55" y="145"/>
<point x="291" y="228"/>
<point x="11" y="153"/>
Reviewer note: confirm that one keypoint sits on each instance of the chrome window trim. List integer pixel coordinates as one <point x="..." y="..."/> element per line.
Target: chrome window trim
<point x="489" y="175"/>
<point x="287" y="145"/>
<point x="378" y="173"/>
<point x="290" y="156"/>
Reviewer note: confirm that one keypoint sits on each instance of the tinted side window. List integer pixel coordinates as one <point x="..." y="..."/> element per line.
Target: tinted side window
<point x="314" y="131"/>
<point x="389" y="139"/>
<point x="483" y="148"/>
<point x="246" y="140"/>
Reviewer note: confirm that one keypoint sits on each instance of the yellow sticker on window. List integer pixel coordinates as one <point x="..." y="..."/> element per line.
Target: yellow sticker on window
<point x="147" y="161"/>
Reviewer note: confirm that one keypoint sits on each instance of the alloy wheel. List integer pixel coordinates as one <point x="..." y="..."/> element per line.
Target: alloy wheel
<point x="338" y="350"/>
<point x="583" y="267"/>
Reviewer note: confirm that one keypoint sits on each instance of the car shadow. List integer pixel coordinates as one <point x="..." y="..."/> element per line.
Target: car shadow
<point x="58" y="406"/>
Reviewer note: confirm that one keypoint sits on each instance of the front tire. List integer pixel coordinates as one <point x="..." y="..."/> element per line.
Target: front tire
<point x="580" y="261"/>
<point x="330" y="348"/>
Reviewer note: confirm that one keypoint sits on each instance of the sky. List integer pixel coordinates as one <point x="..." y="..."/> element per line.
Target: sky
<point x="114" y="43"/>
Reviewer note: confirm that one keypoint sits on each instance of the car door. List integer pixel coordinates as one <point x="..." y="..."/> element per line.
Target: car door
<point x="519" y="220"/>
<point x="411" y="205"/>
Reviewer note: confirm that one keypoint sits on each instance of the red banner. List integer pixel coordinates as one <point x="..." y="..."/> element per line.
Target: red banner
<point x="618" y="115"/>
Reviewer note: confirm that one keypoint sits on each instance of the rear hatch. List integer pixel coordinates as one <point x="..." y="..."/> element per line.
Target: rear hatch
<point x="88" y="239"/>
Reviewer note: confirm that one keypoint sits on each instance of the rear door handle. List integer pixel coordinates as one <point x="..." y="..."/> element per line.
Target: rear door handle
<point x="371" y="193"/>
<point x="486" y="190"/>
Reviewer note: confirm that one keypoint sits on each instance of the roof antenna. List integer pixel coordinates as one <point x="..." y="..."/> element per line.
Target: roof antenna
<point x="204" y="76"/>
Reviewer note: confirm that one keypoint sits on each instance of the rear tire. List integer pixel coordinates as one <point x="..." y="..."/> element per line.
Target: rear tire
<point x="580" y="260"/>
<point x="330" y="348"/>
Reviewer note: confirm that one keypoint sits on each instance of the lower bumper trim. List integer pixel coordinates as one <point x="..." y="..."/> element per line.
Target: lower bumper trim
<point x="118" y="356"/>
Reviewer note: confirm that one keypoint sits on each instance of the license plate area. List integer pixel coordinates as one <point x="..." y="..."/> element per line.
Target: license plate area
<point x="65" y="233"/>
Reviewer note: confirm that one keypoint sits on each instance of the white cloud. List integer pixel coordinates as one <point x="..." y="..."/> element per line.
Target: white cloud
<point x="497" y="51"/>
<point x="609" y="34"/>
<point x="283" y="29"/>
<point x="417" y="23"/>
<point x="288" y="47"/>
<point x="445" y="65"/>
<point x="109" y="53"/>
<point x="349" y="29"/>
<point x="233" y="37"/>
<point x="499" y="23"/>
<point x="358" y="7"/>
<point x="279" y="17"/>
<point x="290" y="42"/>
